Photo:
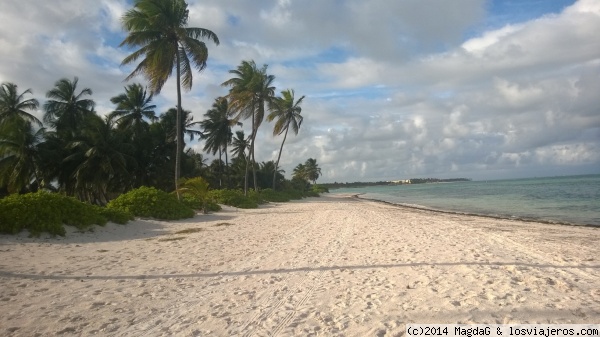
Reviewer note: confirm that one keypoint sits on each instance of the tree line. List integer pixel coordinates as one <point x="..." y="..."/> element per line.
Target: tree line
<point x="75" y="151"/>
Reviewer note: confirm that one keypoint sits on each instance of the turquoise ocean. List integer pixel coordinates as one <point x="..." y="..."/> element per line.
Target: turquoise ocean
<point x="562" y="200"/>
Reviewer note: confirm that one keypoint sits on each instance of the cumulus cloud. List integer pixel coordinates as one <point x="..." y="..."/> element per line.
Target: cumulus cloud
<point x="395" y="89"/>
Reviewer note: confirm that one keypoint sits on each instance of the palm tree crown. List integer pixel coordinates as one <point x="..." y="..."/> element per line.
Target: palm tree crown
<point x="287" y="113"/>
<point x="13" y="105"/>
<point x="66" y="109"/>
<point x="133" y="107"/>
<point x="250" y="90"/>
<point x="158" y="27"/>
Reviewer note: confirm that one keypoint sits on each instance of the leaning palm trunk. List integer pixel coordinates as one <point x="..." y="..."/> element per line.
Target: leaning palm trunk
<point x="279" y="156"/>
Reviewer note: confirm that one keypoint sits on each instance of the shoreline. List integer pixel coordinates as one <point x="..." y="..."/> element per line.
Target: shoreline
<point x="492" y="216"/>
<point x="334" y="265"/>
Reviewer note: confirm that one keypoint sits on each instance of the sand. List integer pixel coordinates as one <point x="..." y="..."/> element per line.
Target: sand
<point x="329" y="266"/>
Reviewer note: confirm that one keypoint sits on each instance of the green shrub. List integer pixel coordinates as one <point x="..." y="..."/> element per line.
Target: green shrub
<point x="235" y="198"/>
<point x="320" y="189"/>
<point x="115" y="215"/>
<point x="49" y="212"/>
<point x="294" y="194"/>
<point x="311" y="194"/>
<point x="149" y="202"/>
<point x="206" y="206"/>
<point x="274" y="196"/>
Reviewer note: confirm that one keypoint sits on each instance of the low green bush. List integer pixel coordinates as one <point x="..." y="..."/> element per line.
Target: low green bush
<point x="320" y="189"/>
<point x="48" y="212"/>
<point x="274" y="196"/>
<point x="206" y="205"/>
<point x="150" y="202"/>
<point x="235" y="198"/>
<point x="115" y="215"/>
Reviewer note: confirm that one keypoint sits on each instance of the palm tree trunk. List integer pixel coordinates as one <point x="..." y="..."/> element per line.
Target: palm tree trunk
<point x="287" y="127"/>
<point x="220" y="171"/>
<point x="252" y="151"/>
<point x="178" y="128"/>
<point x="246" y="175"/>
<point x="227" y="167"/>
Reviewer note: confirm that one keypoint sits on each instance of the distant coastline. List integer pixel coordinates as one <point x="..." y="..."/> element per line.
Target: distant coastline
<point x="356" y="184"/>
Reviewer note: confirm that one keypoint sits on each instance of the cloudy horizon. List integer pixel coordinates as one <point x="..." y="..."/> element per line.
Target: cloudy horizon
<point x="394" y="89"/>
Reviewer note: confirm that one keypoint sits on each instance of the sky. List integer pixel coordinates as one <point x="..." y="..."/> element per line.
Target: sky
<point x="395" y="89"/>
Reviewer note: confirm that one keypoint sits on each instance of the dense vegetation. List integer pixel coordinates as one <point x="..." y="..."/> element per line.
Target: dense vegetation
<point x="131" y="155"/>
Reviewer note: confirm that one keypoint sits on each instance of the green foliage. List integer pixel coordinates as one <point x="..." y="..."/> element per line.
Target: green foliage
<point x="48" y="212"/>
<point x="195" y="195"/>
<point x="235" y="198"/>
<point x="151" y="203"/>
<point x="320" y="189"/>
<point x="274" y="196"/>
<point x="205" y="205"/>
<point x="115" y="215"/>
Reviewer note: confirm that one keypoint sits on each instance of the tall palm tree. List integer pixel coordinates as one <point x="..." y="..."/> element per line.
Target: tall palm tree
<point x="240" y="145"/>
<point x="287" y="112"/>
<point x="300" y="172"/>
<point x="13" y="105"/>
<point x="133" y="109"/>
<point x="159" y="29"/>
<point x="250" y="90"/>
<point x="217" y="129"/>
<point x="66" y="109"/>
<point x="19" y="156"/>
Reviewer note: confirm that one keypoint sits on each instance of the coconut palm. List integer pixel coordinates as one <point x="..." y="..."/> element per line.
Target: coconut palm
<point x="14" y="105"/>
<point x="159" y="29"/>
<point x="287" y="113"/>
<point x="101" y="158"/>
<point x="300" y="172"/>
<point x="187" y="123"/>
<point x="217" y="129"/>
<point x="313" y="171"/>
<point x="66" y="109"/>
<point x="250" y="90"/>
<point x="133" y="109"/>
<point x="240" y="145"/>
<point x="19" y="157"/>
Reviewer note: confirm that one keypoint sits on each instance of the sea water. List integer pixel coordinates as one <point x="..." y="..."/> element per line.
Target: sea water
<point x="568" y="199"/>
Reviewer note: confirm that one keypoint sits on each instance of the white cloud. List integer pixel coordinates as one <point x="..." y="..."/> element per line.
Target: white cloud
<point x="393" y="88"/>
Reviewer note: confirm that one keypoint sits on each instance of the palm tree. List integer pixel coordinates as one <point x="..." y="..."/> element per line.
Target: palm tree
<point x="19" y="157"/>
<point x="66" y="109"/>
<point x="187" y="123"/>
<point x="300" y="172"/>
<point x="133" y="108"/>
<point x="240" y="145"/>
<point x="13" y="105"/>
<point x="159" y="29"/>
<point x="287" y="112"/>
<point x="217" y="130"/>
<point x="102" y="159"/>
<point x="250" y="89"/>
<point x="313" y="172"/>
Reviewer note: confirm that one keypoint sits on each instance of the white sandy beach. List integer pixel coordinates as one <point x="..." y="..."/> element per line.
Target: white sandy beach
<point x="329" y="266"/>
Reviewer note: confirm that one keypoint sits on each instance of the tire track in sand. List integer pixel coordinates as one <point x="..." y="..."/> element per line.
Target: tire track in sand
<point x="178" y="311"/>
<point x="258" y="324"/>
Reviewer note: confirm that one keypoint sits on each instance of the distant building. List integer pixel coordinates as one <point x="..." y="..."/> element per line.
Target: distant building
<point x="405" y="181"/>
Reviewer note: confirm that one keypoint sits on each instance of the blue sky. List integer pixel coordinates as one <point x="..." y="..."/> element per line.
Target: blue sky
<point x="395" y="89"/>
